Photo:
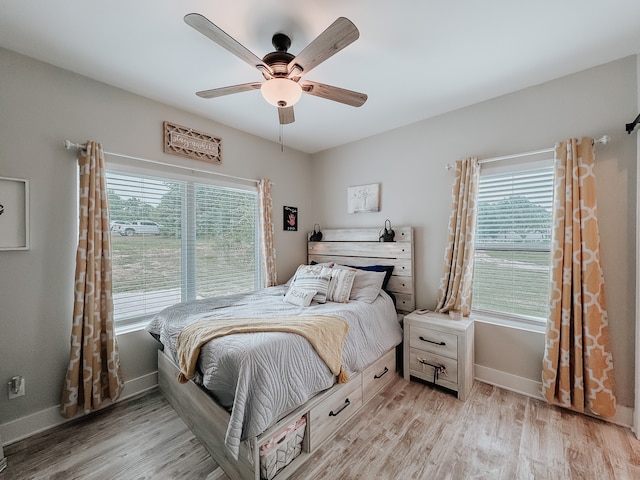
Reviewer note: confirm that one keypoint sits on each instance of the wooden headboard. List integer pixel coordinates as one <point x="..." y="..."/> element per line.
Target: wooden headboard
<point x="360" y="247"/>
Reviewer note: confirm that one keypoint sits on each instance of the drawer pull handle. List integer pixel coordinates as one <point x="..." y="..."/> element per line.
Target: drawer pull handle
<point x="382" y="374"/>
<point x="337" y="412"/>
<point x="442" y="344"/>
<point x="437" y="369"/>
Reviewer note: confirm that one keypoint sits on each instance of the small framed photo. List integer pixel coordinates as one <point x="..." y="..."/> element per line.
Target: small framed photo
<point x="14" y="214"/>
<point x="363" y="198"/>
<point x="290" y="217"/>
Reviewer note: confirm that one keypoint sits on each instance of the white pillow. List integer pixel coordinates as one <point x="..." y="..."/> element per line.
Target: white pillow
<point x="366" y="285"/>
<point x="319" y="283"/>
<point x="340" y="284"/>
<point x="299" y="296"/>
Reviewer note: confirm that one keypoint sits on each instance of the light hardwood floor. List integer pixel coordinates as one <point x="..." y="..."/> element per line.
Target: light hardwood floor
<point x="408" y="431"/>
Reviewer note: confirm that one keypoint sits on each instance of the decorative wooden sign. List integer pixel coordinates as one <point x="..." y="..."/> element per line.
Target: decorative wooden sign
<point x="190" y="143"/>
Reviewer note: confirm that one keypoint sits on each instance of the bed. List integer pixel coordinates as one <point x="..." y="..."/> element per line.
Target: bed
<point x="248" y="388"/>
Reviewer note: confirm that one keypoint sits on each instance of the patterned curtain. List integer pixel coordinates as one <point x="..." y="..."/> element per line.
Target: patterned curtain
<point x="94" y="365"/>
<point x="577" y="370"/>
<point x="267" y="245"/>
<point x="456" y="283"/>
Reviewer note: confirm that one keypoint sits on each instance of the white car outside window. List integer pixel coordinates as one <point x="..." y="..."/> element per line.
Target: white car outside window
<point x="137" y="227"/>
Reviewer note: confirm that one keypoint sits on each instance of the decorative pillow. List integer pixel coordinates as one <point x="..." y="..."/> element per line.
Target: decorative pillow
<point x="315" y="269"/>
<point x="319" y="283"/>
<point x="299" y="296"/>
<point x="366" y="284"/>
<point x="340" y="285"/>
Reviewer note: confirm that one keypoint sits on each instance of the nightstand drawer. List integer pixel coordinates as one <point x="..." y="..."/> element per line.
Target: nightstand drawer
<point x="421" y="365"/>
<point x="434" y="341"/>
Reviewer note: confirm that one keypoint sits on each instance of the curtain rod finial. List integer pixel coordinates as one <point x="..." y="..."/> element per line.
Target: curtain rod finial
<point x="68" y="144"/>
<point x="631" y="126"/>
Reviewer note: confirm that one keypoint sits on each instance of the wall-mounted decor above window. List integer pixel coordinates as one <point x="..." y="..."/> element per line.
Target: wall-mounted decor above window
<point x="14" y="214"/>
<point x="190" y="143"/>
<point x="363" y="198"/>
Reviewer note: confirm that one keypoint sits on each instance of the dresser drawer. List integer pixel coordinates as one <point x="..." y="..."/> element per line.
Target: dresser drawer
<point x="434" y="341"/>
<point x="419" y="361"/>
<point x="378" y="375"/>
<point x="325" y="418"/>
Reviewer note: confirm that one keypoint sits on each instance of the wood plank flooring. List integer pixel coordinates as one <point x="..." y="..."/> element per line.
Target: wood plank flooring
<point x="408" y="431"/>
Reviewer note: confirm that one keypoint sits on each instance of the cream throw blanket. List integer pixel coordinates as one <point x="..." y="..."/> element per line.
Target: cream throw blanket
<point x="326" y="334"/>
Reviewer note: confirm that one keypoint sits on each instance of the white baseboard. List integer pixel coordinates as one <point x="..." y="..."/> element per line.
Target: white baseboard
<point x="531" y="388"/>
<point x="508" y="381"/>
<point x="24" y="427"/>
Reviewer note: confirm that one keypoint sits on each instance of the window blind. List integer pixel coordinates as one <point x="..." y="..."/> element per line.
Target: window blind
<point x="204" y="242"/>
<point x="512" y="245"/>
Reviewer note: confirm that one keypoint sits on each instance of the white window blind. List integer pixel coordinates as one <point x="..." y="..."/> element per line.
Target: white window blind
<point x="205" y="242"/>
<point x="513" y="238"/>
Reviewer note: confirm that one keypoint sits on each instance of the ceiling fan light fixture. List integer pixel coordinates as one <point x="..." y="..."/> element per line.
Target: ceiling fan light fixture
<point x="281" y="92"/>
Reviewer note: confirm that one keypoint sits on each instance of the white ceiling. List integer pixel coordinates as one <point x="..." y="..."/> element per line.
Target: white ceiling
<point x="415" y="58"/>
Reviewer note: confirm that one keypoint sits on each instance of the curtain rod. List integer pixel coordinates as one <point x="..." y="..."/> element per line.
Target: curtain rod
<point x="604" y="140"/>
<point x="68" y="144"/>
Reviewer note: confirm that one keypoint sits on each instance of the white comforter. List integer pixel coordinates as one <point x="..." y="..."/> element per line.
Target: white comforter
<point x="261" y="377"/>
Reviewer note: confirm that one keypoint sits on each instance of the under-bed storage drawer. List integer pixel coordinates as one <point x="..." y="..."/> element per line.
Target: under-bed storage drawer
<point x="377" y="375"/>
<point x="325" y="418"/>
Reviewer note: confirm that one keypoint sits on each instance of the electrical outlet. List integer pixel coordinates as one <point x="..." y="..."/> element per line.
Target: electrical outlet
<point x="16" y="387"/>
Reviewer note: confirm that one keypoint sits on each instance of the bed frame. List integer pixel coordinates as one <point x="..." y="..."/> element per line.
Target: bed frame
<point x="329" y="410"/>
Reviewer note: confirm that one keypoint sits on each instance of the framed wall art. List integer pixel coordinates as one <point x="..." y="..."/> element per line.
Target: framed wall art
<point x="14" y="214"/>
<point x="363" y="198"/>
<point x="290" y="218"/>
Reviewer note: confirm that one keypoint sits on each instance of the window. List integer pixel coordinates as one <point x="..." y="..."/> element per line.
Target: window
<point x="512" y="247"/>
<point x="175" y="240"/>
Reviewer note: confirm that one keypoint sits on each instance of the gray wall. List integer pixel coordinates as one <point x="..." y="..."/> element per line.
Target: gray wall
<point x="41" y="106"/>
<point x="409" y="163"/>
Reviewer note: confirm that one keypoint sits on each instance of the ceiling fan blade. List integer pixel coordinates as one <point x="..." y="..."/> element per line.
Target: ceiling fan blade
<point x="215" y="33"/>
<point x="285" y="115"/>
<point x="219" y="92"/>
<point x="338" y="35"/>
<point x="348" y="97"/>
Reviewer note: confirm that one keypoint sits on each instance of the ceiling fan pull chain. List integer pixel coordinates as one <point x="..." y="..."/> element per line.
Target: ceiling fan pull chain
<point x="281" y="137"/>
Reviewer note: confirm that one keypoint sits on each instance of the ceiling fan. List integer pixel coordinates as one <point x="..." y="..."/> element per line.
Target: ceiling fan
<point x="283" y="85"/>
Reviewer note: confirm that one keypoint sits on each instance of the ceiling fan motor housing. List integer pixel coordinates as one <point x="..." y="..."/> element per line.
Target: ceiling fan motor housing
<point x="278" y="61"/>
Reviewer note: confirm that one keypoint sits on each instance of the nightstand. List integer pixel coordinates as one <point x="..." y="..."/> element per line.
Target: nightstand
<point x="439" y="350"/>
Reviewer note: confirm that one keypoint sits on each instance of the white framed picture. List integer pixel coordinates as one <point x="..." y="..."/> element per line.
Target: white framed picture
<point x="363" y="198"/>
<point x="14" y="214"/>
